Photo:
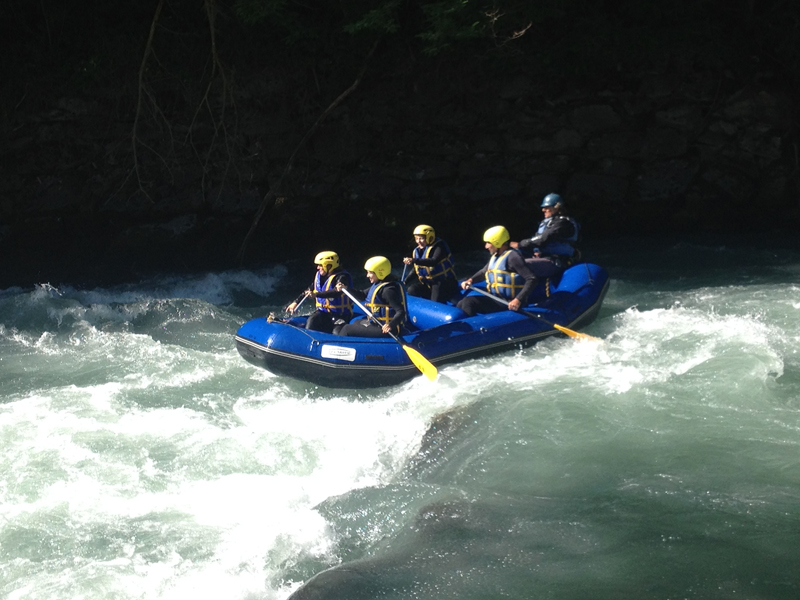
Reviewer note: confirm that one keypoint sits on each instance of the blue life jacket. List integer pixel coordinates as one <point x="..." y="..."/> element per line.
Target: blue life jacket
<point x="499" y="280"/>
<point x="441" y="271"/>
<point x="381" y="309"/>
<point x="563" y="247"/>
<point x="341" y="305"/>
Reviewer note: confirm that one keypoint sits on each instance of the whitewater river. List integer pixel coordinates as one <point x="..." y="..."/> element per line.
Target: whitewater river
<point x="144" y="459"/>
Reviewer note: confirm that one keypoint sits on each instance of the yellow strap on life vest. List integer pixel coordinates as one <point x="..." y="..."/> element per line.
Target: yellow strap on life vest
<point x="339" y="305"/>
<point x="428" y="275"/>
<point x="501" y="282"/>
<point x="381" y="311"/>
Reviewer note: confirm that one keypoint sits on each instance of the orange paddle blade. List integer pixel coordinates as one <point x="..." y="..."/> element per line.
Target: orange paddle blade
<point x="575" y="334"/>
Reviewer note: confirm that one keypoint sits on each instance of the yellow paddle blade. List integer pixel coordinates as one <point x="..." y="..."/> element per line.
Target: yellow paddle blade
<point x="422" y="363"/>
<point x="575" y="334"/>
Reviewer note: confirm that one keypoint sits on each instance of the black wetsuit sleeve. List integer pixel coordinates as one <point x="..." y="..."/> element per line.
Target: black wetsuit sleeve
<point x="437" y="256"/>
<point x="517" y="264"/>
<point x="338" y="278"/>
<point x="393" y="296"/>
<point x="558" y="229"/>
<point x="360" y="295"/>
<point x="480" y="275"/>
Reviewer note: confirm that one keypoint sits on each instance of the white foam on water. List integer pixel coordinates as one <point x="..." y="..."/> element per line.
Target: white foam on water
<point x="151" y="468"/>
<point x="214" y="288"/>
<point x="245" y="492"/>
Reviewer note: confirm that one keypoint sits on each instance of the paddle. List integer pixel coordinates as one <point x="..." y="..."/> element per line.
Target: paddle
<point x="299" y="304"/>
<point x="422" y="363"/>
<point x="271" y="318"/>
<point x="561" y="328"/>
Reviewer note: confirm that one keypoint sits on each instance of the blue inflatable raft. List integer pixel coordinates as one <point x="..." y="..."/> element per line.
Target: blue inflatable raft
<point x="442" y="333"/>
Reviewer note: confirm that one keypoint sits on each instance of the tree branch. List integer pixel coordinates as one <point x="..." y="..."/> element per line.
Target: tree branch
<point x="276" y="189"/>
<point x="142" y="68"/>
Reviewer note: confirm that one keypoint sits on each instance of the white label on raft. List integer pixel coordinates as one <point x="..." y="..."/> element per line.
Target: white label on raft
<point x="338" y="352"/>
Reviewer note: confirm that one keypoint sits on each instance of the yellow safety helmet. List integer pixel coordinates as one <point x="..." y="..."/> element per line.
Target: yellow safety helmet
<point x="427" y="231"/>
<point x="379" y="265"/>
<point x="496" y="236"/>
<point x="329" y="260"/>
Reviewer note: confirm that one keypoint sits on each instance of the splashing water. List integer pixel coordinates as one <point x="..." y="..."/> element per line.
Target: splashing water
<point x="144" y="459"/>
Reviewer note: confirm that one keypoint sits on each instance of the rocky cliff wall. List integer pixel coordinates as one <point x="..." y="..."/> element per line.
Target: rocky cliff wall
<point x="688" y="152"/>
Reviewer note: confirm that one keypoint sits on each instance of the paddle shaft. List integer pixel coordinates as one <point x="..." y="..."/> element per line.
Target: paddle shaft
<point x="423" y="364"/>
<point x="299" y="304"/>
<point x="506" y="302"/>
<point x="560" y="328"/>
<point x="369" y="314"/>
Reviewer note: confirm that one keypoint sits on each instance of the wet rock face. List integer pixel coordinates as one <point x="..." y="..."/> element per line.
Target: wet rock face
<point x="686" y="153"/>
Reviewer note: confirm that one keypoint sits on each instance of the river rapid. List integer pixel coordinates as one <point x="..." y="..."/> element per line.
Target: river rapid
<point x="144" y="459"/>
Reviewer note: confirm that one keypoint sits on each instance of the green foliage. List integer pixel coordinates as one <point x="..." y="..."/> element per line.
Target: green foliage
<point x="93" y="42"/>
<point x="256" y="11"/>
<point x="383" y="19"/>
<point x="439" y="24"/>
<point x="279" y="16"/>
<point x="449" y="22"/>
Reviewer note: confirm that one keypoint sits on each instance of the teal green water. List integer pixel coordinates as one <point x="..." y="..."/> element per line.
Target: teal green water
<point x="144" y="459"/>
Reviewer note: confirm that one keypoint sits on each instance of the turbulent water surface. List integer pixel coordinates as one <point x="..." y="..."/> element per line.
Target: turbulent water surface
<point x="144" y="459"/>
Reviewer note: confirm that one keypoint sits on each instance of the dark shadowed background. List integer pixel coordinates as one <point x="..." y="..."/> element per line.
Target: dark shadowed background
<point x="146" y="136"/>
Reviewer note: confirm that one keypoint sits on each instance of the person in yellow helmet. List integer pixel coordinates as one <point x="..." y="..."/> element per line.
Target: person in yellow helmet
<point x="332" y="305"/>
<point x="385" y="299"/>
<point x="433" y="267"/>
<point x="506" y="275"/>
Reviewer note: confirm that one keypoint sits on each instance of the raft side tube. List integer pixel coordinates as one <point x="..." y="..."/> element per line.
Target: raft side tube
<point x="426" y="314"/>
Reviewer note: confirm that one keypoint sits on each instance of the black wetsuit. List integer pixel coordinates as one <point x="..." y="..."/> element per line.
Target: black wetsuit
<point x="441" y="289"/>
<point x="391" y="294"/>
<point x="322" y="320"/>
<point x="558" y="233"/>
<point x="473" y="305"/>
